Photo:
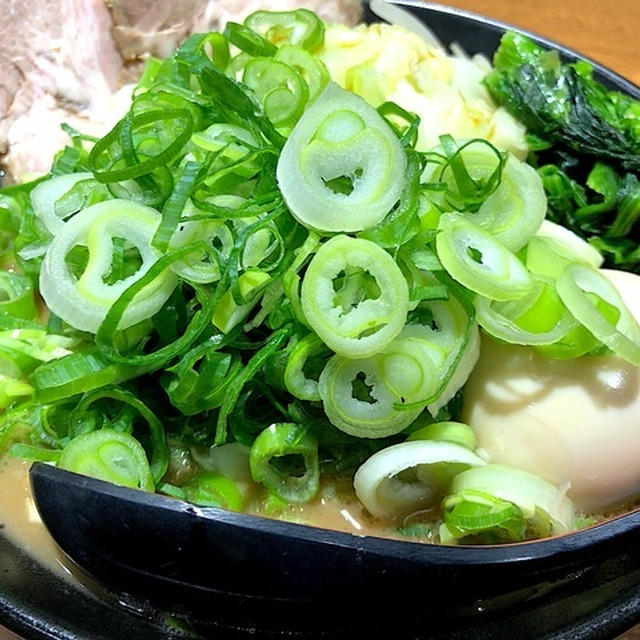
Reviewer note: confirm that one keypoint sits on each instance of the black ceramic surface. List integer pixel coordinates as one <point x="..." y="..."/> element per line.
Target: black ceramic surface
<point x="183" y="576"/>
<point x="205" y="565"/>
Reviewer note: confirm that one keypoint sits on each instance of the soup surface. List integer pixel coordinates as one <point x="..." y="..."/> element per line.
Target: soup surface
<point x="20" y="520"/>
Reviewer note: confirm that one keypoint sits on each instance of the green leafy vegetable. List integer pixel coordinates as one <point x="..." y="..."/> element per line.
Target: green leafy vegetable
<point x="586" y="143"/>
<point x="562" y="104"/>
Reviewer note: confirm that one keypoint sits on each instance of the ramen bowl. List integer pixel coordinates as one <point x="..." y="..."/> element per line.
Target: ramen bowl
<point x="151" y="566"/>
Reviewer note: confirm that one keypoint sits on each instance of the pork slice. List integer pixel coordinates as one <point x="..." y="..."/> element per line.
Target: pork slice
<point x="152" y="27"/>
<point x="156" y="27"/>
<point x="219" y="12"/>
<point x="58" y="60"/>
<point x="61" y="61"/>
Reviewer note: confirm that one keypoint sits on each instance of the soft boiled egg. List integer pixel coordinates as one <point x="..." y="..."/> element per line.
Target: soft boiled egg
<point x="573" y="422"/>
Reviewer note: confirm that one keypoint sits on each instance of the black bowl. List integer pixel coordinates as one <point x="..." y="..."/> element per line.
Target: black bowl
<point x="212" y="569"/>
<point x="214" y="573"/>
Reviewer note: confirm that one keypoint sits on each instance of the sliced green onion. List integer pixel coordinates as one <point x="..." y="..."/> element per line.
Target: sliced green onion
<point x="248" y="40"/>
<point x="271" y="447"/>
<point x="110" y="164"/>
<point x="45" y="195"/>
<point x="454" y="186"/>
<point x="36" y="454"/>
<point x="300" y="27"/>
<point x="459" y="365"/>
<point x="175" y="204"/>
<point x="230" y="460"/>
<point x="545" y="508"/>
<point x="27" y="348"/>
<point x="259" y="245"/>
<point x="473" y="257"/>
<point x="214" y="45"/>
<point x="109" y="455"/>
<point x="447" y="344"/>
<point x="9" y="321"/>
<point x="12" y="389"/>
<point x="539" y="318"/>
<point x="357" y="399"/>
<point x="159" y="452"/>
<point x="554" y="247"/>
<point x="516" y="209"/>
<point x="456" y="432"/>
<point x="295" y="379"/>
<point x="570" y="243"/>
<point x="510" y="195"/>
<point x="197" y="268"/>
<point x="360" y="325"/>
<point x="228" y="313"/>
<point x="211" y="489"/>
<point x="258" y="359"/>
<point x="312" y="69"/>
<point x="405" y="123"/>
<point x="202" y="377"/>
<point x="84" y="303"/>
<point x="14" y="426"/>
<point x="403" y="222"/>
<point x="108" y="337"/>
<point x="291" y="279"/>
<point x="595" y="302"/>
<point x="480" y="517"/>
<point x="342" y="168"/>
<point x="272" y="311"/>
<point x="412" y="366"/>
<point x="16" y="295"/>
<point x="14" y="363"/>
<point x="236" y="65"/>
<point x="575" y="343"/>
<point x="280" y="88"/>
<point x="410" y="476"/>
<point x="223" y="91"/>
<point x="232" y="143"/>
<point x="77" y="373"/>
<point x="150" y="190"/>
<point x="11" y="213"/>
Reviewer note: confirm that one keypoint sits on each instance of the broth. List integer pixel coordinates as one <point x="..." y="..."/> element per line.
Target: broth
<point x="336" y="507"/>
<point x="20" y="521"/>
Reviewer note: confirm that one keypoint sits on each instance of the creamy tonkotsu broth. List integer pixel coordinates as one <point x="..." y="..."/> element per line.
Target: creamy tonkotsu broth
<point x="337" y="508"/>
<point x="20" y="520"/>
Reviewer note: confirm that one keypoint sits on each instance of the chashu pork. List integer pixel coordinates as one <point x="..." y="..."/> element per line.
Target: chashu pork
<point x="58" y="60"/>
<point x="64" y="61"/>
<point x="156" y="27"/>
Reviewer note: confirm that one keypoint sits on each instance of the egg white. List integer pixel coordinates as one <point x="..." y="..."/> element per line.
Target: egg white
<point x="574" y="421"/>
